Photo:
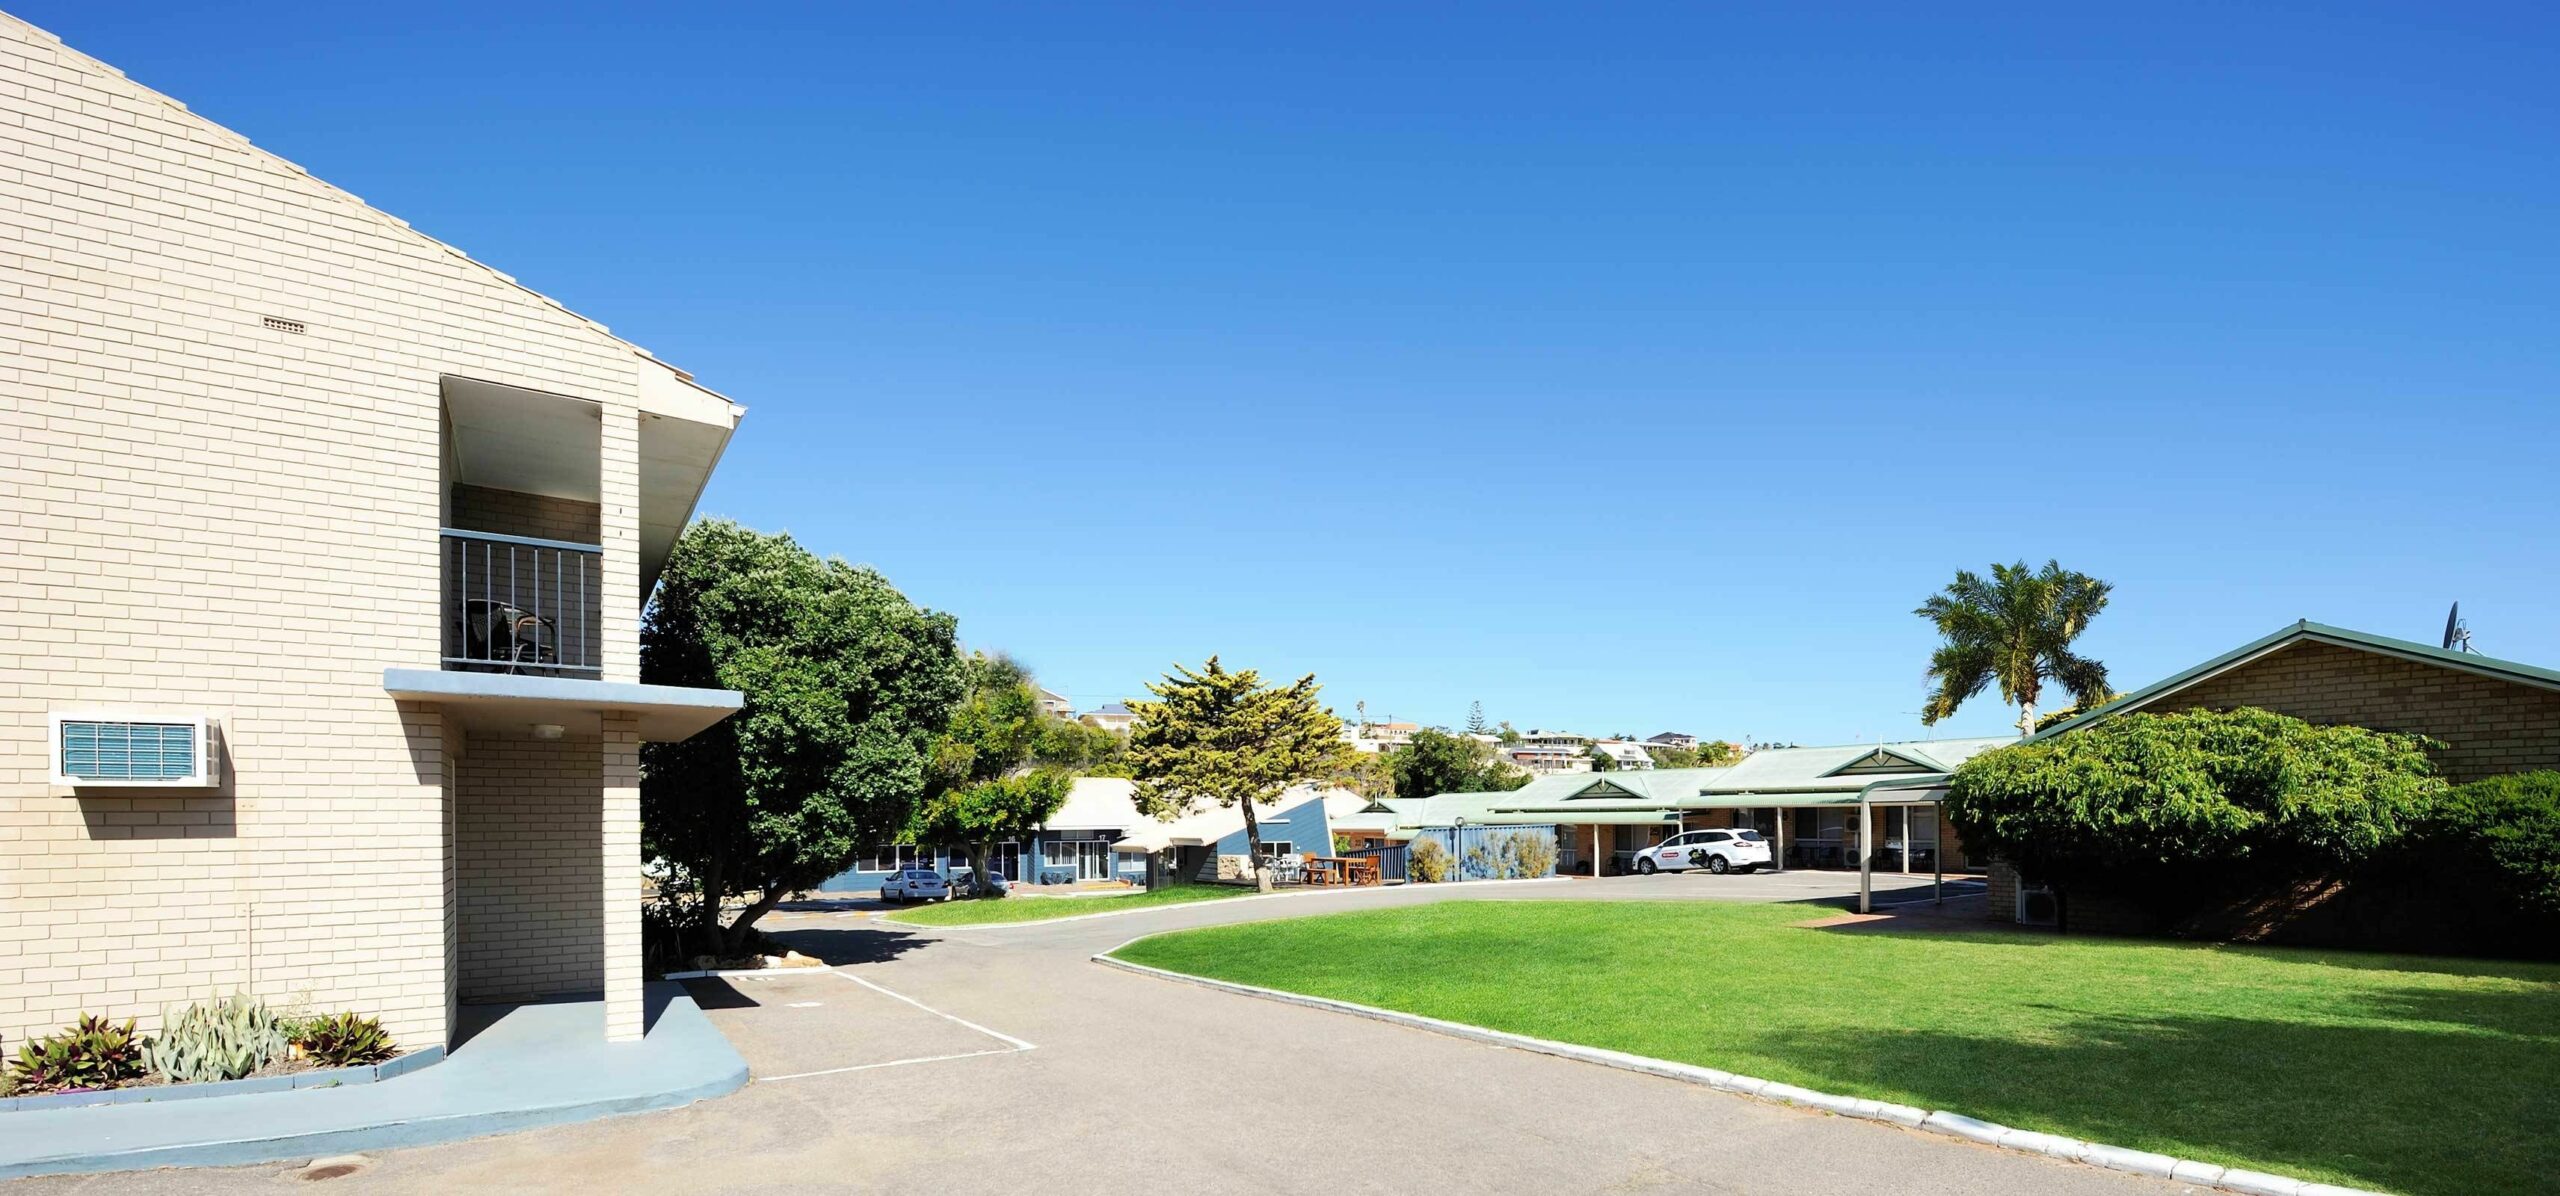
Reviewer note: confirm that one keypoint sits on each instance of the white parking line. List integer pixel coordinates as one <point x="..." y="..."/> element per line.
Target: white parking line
<point x="1017" y="1043"/>
<point x="1013" y="1045"/>
<point x="837" y="1071"/>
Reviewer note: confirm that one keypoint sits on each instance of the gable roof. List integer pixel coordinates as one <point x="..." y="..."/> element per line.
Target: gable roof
<point x="1883" y="759"/>
<point x="1813" y="775"/>
<point x="1110" y="804"/>
<point x="2306" y="631"/>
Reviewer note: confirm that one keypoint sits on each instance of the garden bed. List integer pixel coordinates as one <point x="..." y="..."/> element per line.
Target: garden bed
<point x="275" y="1077"/>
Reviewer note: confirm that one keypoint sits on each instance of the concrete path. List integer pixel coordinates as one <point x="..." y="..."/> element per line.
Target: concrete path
<point x="977" y="1060"/>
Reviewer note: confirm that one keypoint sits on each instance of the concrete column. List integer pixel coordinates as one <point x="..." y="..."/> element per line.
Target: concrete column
<point x="621" y="814"/>
<point x="618" y="523"/>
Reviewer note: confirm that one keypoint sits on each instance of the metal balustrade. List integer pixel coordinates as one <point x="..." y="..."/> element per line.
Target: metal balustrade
<point x="515" y="604"/>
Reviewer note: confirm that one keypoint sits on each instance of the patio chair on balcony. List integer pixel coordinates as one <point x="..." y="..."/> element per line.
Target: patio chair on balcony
<point x="498" y="633"/>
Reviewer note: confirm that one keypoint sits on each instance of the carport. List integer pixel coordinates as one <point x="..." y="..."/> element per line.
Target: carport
<point x="1583" y="821"/>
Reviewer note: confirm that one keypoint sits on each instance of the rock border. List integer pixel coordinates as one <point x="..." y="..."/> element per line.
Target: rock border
<point x="1955" y="1125"/>
<point x="323" y="1077"/>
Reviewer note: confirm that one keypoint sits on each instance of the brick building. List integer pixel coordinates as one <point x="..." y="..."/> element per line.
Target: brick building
<point x="2493" y="716"/>
<point x="322" y="555"/>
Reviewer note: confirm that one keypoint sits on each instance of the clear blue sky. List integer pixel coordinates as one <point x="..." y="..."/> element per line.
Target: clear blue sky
<point x="1625" y="370"/>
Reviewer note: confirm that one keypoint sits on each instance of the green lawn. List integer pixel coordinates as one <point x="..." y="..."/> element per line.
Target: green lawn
<point x="1035" y="909"/>
<point x="2398" y="1072"/>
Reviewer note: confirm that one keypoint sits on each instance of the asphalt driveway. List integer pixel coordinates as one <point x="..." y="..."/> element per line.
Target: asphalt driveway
<point x="978" y="1059"/>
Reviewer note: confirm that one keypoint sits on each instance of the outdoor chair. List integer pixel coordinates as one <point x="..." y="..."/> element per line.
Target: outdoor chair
<point x="498" y="633"/>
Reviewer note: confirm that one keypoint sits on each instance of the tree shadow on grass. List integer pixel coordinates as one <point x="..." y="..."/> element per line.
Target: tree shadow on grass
<point x="2463" y="1109"/>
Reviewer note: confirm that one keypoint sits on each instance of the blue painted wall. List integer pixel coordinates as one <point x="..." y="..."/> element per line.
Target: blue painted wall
<point x="863" y="877"/>
<point x="1304" y="825"/>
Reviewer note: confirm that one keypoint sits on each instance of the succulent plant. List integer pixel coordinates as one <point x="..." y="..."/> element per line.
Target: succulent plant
<point x="223" y="1040"/>
<point x="345" y="1040"/>
<point x="92" y="1053"/>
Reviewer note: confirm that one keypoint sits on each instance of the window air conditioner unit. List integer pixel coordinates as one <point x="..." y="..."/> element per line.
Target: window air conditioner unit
<point x="95" y="751"/>
<point x="2037" y="906"/>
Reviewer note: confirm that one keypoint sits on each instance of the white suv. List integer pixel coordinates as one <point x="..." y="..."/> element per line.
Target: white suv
<point x="915" y="884"/>
<point x="1716" y="851"/>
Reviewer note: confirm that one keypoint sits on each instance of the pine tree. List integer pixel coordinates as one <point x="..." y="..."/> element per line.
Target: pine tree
<point x="1475" y="720"/>
<point x="1229" y="740"/>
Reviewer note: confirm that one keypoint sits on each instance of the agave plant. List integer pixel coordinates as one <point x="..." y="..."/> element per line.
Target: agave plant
<point x="224" y="1040"/>
<point x="93" y="1053"/>
<point x="345" y="1040"/>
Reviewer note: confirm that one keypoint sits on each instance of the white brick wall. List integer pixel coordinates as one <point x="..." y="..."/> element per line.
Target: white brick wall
<point x="199" y="513"/>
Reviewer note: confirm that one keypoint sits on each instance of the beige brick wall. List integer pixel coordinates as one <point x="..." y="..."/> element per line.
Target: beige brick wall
<point x="515" y="513"/>
<point x="200" y="513"/>
<point x="2489" y="726"/>
<point x="530" y="855"/>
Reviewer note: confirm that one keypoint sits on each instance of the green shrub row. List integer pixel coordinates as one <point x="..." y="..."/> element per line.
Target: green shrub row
<point x="208" y="1041"/>
<point x="2187" y="813"/>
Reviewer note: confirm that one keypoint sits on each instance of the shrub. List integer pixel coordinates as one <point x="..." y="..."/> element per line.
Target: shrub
<point x="1427" y="862"/>
<point x="2505" y="833"/>
<point x="92" y="1053"/>
<point x="2484" y="865"/>
<point x="223" y="1040"/>
<point x="2172" y="807"/>
<point x="1480" y="864"/>
<point x="345" y="1040"/>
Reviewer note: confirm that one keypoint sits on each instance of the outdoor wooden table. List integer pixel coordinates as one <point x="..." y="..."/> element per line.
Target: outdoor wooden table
<point x="1341" y="870"/>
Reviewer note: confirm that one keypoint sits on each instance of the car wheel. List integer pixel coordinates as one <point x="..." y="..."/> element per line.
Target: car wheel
<point x="1644" y="867"/>
<point x="1718" y="864"/>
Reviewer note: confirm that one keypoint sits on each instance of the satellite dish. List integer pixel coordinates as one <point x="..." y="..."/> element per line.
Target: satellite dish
<point x="2457" y="634"/>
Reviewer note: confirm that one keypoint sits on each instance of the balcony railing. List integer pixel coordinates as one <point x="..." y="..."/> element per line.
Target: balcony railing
<point x="514" y="604"/>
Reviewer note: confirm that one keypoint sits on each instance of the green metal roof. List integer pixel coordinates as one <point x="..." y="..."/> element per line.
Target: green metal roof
<point x="2306" y="630"/>
<point x="1772" y="777"/>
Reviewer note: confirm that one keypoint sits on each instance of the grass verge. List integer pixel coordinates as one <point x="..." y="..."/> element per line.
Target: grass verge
<point x="2414" y="1074"/>
<point x="1036" y="909"/>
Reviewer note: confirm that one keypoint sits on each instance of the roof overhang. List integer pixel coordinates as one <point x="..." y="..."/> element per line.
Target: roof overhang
<point x="512" y="703"/>
<point x="1583" y="816"/>
<point x="684" y="429"/>
<point x="516" y="438"/>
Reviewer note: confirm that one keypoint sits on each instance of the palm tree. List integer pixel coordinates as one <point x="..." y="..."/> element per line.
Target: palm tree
<point x="2015" y="628"/>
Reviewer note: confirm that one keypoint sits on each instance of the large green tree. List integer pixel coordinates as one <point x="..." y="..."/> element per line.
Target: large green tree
<point x="993" y="777"/>
<point x="1437" y="762"/>
<point x="2014" y="628"/>
<point x="1714" y="753"/>
<point x="2168" y="808"/>
<point x="1084" y="749"/>
<point x="1227" y="739"/>
<point x="846" y="683"/>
